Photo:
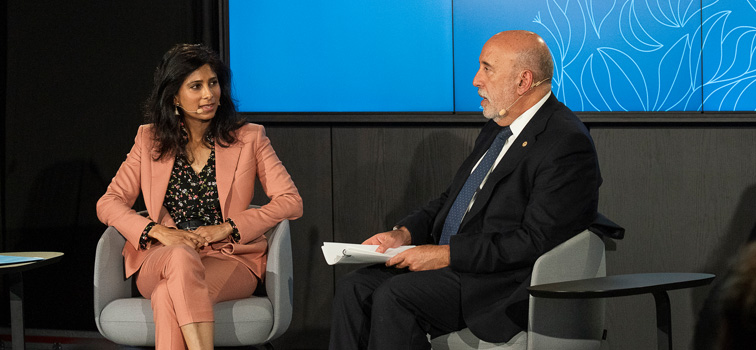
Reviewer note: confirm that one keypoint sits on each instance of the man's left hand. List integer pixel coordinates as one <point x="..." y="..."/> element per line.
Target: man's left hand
<point x="421" y="258"/>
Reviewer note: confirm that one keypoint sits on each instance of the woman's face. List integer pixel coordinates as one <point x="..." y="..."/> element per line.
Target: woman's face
<point x="199" y="94"/>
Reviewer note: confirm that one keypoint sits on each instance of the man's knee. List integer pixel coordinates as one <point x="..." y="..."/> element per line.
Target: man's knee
<point x="359" y="285"/>
<point x="347" y="286"/>
<point x="391" y="291"/>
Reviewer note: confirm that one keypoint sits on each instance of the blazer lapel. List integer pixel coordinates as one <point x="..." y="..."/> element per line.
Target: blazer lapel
<point x="226" y="161"/>
<point x="520" y="147"/>
<point x="161" y="174"/>
<point x="484" y="141"/>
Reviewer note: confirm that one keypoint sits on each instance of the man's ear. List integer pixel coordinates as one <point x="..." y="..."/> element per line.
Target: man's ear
<point x="526" y="82"/>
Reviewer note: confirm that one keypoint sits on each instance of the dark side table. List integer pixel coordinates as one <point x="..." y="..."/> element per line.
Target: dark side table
<point x="623" y="285"/>
<point x="16" y="287"/>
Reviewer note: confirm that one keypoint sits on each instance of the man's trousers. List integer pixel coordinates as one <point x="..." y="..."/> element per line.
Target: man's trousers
<point x="379" y="307"/>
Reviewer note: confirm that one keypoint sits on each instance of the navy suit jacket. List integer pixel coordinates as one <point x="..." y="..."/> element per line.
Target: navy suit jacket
<point x="543" y="192"/>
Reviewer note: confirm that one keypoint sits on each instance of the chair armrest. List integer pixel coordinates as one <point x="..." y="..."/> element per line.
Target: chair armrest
<point x="279" y="277"/>
<point x="109" y="281"/>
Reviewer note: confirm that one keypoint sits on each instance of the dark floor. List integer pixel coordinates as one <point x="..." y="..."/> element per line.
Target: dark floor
<point x="37" y="339"/>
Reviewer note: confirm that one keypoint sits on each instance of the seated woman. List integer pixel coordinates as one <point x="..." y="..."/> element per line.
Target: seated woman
<point x="195" y="165"/>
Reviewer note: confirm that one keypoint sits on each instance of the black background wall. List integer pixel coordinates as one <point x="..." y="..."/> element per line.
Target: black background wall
<point x="78" y="71"/>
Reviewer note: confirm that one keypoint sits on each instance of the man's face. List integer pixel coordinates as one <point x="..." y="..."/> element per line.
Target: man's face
<point x="495" y="80"/>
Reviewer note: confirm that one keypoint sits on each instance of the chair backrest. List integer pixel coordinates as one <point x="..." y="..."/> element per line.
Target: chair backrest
<point x="568" y="323"/>
<point x="279" y="280"/>
<point x="109" y="270"/>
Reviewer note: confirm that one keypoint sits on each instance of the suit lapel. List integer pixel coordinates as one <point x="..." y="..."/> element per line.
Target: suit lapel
<point x="488" y="135"/>
<point x="161" y="174"/>
<point x="520" y="147"/>
<point x="226" y="161"/>
<point x="484" y="141"/>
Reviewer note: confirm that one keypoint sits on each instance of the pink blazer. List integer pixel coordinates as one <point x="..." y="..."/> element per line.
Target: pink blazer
<point x="236" y="168"/>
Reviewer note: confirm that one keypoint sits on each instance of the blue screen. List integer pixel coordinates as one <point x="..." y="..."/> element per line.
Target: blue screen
<point x="421" y="56"/>
<point x="341" y="55"/>
<point x="729" y="55"/>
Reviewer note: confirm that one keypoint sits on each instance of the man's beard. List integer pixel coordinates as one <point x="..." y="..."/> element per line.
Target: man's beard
<point x="489" y="112"/>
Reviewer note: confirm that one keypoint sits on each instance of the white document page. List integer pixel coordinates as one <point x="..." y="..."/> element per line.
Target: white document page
<point x="350" y="253"/>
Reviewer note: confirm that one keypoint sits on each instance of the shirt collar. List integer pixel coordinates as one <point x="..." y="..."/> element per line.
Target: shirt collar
<point x="519" y="124"/>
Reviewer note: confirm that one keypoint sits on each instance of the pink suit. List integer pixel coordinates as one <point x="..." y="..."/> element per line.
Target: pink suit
<point x="181" y="283"/>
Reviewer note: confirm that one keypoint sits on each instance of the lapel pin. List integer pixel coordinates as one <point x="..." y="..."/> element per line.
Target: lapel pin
<point x="524" y="143"/>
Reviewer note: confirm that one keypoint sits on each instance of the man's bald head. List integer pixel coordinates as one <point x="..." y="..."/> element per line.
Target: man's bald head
<point x="515" y="73"/>
<point x="531" y="52"/>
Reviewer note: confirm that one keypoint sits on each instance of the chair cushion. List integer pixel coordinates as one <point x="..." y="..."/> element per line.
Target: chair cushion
<point x="464" y="340"/>
<point x="237" y="322"/>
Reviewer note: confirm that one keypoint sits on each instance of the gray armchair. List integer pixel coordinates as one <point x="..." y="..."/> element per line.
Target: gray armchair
<point x="565" y="324"/>
<point x="127" y="320"/>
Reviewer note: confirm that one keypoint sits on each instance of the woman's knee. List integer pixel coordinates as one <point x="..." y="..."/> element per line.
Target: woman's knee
<point x="160" y="295"/>
<point x="181" y="258"/>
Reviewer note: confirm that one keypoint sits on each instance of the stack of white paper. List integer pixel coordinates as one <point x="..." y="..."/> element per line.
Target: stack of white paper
<point x="348" y="253"/>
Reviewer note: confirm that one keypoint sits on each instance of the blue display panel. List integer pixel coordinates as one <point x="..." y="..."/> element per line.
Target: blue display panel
<point x="341" y="55"/>
<point x="729" y="55"/>
<point x="608" y="55"/>
<point x="397" y="56"/>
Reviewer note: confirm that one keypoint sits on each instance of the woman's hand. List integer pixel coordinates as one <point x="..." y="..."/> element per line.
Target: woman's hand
<point x="214" y="233"/>
<point x="171" y="236"/>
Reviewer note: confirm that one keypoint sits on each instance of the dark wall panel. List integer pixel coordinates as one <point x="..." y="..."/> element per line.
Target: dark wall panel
<point x="687" y="197"/>
<point x="382" y="173"/>
<point x="77" y="75"/>
<point x="306" y="154"/>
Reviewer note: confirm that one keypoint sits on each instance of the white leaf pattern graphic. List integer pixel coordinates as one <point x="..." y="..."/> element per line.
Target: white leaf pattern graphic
<point x="625" y="75"/>
<point x="598" y="11"/>
<point x="674" y="14"/>
<point x="593" y="93"/>
<point x="652" y="55"/>
<point x="633" y="32"/>
<point x="673" y="91"/>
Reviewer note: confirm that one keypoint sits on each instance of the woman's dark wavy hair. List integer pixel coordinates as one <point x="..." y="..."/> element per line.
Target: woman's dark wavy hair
<point x="177" y="64"/>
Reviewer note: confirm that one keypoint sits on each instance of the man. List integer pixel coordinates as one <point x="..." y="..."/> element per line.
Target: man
<point x="530" y="184"/>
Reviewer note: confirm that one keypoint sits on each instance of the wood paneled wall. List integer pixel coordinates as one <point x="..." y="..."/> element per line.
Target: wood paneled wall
<point x="686" y="195"/>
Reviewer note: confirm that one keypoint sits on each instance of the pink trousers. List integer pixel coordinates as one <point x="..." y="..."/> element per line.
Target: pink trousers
<point x="183" y="286"/>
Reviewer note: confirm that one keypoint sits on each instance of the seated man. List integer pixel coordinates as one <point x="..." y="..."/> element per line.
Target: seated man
<point x="530" y="183"/>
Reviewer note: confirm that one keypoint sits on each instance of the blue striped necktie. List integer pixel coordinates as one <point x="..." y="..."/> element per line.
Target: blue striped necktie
<point x="459" y="208"/>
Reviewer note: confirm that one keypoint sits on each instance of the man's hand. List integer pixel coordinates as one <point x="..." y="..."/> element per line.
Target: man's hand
<point x="421" y="258"/>
<point x="390" y="239"/>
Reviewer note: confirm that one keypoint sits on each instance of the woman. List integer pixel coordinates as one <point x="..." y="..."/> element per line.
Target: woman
<point x="195" y="165"/>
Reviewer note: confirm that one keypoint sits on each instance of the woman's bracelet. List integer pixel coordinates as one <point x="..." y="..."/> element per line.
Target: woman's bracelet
<point x="235" y="236"/>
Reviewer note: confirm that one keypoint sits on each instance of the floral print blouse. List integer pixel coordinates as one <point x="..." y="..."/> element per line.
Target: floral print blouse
<point x="192" y="197"/>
